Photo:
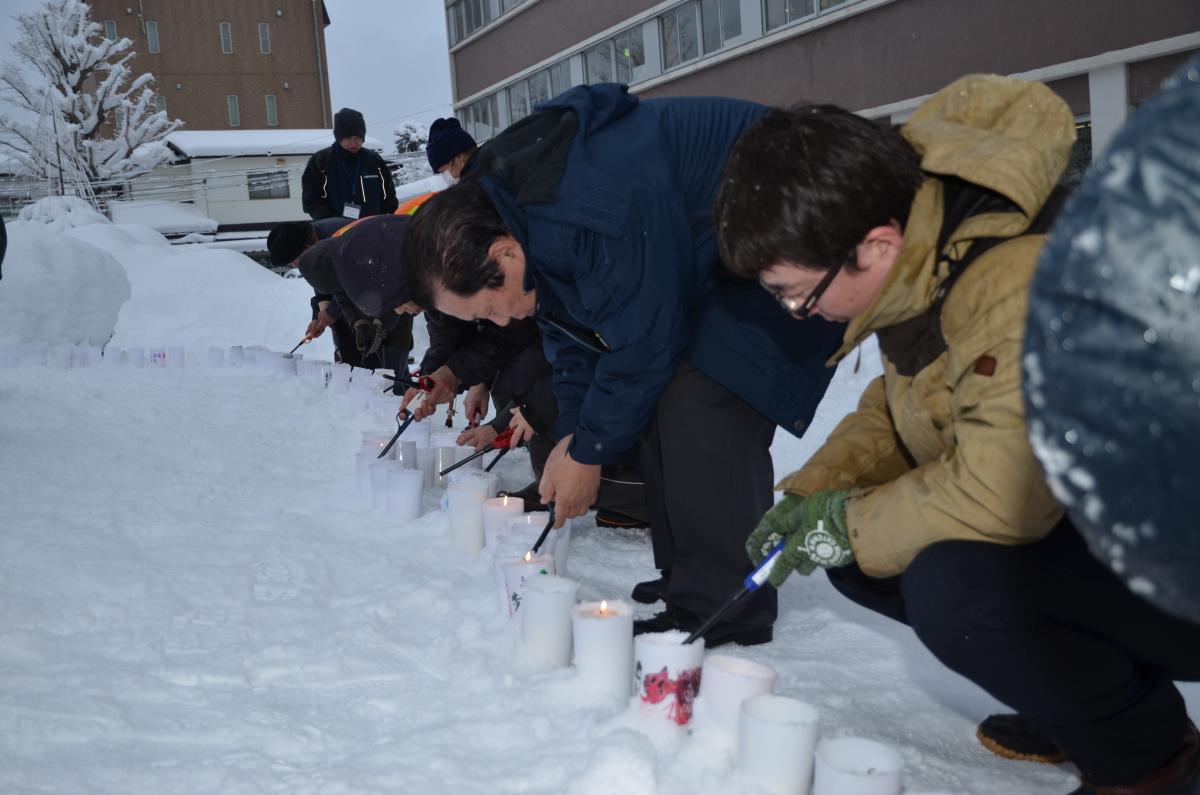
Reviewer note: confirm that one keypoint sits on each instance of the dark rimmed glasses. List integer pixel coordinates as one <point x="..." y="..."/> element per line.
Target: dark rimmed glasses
<point x="804" y="310"/>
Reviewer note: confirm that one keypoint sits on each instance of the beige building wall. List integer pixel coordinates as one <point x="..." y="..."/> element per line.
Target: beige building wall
<point x="196" y="77"/>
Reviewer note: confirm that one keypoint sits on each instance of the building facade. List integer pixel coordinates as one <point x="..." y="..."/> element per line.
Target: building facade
<point x="229" y="64"/>
<point x="877" y="57"/>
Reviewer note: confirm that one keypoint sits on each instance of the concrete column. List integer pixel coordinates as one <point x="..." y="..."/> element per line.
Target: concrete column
<point x="1108" y="96"/>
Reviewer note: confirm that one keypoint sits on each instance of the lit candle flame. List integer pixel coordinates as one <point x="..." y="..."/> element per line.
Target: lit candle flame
<point x="603" y="606"/>
<point x="529" y="556"/>
<point x="505" y="500"/>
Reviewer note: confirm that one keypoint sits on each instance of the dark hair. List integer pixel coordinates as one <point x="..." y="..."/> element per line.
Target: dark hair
<point x="805" y="185"/>
<point x="447" y="244"/>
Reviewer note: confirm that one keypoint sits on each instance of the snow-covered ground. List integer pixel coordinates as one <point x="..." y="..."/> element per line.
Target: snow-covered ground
<point x="193" y="598"/>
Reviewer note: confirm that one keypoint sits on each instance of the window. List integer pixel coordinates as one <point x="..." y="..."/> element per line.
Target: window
<point x="464" y="17"/>
<point x="825" y="5"/>
<point x="722" y="21"/>
<point x="264" y="38"/>
<point x="679" y="41"/>
<point x="152" y="37"/>
<point x="235" y="119"/>
<point x="226" y="38"/>
<point x="268" y="184"/>
<point x="110" y="29"/>
<point x="781" y="12"/>
<point x="509" y="5"/>
<point x="272" y="113"/>
<point x="482" y="117"/>
<point x="160" y="103"/>
<point x="616" y="59"/>
<point x="118" y="119"/>
<point x="518" y="102"/>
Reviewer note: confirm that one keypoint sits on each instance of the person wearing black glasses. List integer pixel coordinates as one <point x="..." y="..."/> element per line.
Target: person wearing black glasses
<point x="594" y="216"/>
<point x="926" y="504"/>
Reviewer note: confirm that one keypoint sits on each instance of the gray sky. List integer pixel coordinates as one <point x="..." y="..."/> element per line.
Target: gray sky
<point x="387" y="58"/>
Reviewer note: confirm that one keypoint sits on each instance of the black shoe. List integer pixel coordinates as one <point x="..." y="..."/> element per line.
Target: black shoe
<point x="677" y="618"/>
<point x="614" y="519"/>
<point x="652" y="591"/>
<point x="529" y="495"/>
<point x="1179" y="775"/>
<point x="1015" y="737"/>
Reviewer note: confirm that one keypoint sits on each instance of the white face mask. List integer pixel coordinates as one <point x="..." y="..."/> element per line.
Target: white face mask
<point x="449" y="178"/>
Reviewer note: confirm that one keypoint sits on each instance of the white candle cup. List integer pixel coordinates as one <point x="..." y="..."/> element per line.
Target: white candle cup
<point x="667" y="673"/>
<point x="445" y="457"/>
<point x="427" y="463"/>
<point x="10" y="356"/>
<point x="465" y="498"/>
<point x="379" y="473"/>
<point x="404" y="490"/>
<point x="444" y="439"/>
<point x="79" y="356"/>
<point x="35" y="356"/>
<point x="505" y="552"/>
<point x="216" y="358"/>
<point x="728" y="681"/>
<point x="156" y="357"/>
<point x="176" y="358"/>
<point x="378" y="406"/>
<point x="285" y="366"/>
<point x="603" y="640"/>
<point x="339" y="378"/>
<point x="375" y="443"/>
<point x="857" y="766"/>
<point x="527" y="535"/>
<point x="419" y="433"/>
<point x="112" y="357"/>
<point x="466" y="452"/>
<point x="516" y="572"/>
<point x="237" y="356"/>
<point x="496" y="513"/>
<point x="559" y="539"/>
<point x="546" y="620"/>
<point x="137" y="357"/>
<point x="406" y="454"/>
<point x="776" y="737"/>
<point x="95" y="358"/>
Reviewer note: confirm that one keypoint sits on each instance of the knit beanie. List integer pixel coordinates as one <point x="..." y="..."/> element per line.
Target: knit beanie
<point x="348" y="123"/>
<point x="286" y="241"/>
<point x="447" y="138"/>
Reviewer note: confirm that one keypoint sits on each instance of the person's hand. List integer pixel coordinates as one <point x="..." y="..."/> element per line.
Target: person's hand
<point x="480" y="438"/>
<point x="364" y="335"/>
<point x="570" y="485"/>
<point x="315" y="329"/>
<point x="522" y="430"/>
<point x="475" y="404"/>
<point x="326" y="319"/>
<point x="814" y="528"/>
<point x="445" y="387"/>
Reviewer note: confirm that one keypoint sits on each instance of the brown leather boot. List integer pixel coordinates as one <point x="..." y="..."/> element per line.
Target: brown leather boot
<point x="1179" y="775"/>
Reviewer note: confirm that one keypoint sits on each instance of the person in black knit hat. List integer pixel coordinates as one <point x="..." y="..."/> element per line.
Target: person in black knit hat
<point x="450" y="148"/>
<point x="347" y="179"/>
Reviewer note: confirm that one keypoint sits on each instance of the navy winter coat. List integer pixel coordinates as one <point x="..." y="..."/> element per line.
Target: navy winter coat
<point x="333" y="177"/>
<point x="624" y="260"/>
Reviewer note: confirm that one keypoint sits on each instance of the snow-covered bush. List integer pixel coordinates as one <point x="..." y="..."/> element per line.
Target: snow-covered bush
<point x="60" y="213"/>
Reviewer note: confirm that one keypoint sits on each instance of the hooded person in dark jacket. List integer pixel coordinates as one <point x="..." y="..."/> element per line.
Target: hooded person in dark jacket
<point x="347" y="179"/>
<point x="1112" y="351"/>
<point x="594" y="215"/>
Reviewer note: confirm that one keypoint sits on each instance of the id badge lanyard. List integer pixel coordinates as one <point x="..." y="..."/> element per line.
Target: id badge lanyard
<point x="355" y="178"/>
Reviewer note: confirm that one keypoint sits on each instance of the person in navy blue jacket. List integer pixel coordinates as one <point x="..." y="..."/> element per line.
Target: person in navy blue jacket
<point x="594" y="215"/>
<point x="347" y="180"/>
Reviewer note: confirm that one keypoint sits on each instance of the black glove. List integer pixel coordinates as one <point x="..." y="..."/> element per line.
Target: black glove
<point x="364" y="334"/>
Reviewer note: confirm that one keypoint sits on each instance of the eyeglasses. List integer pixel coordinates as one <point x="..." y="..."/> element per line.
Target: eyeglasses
<point x="803" y="310"/>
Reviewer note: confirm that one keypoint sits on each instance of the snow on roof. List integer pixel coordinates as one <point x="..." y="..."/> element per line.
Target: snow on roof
<point x="226" y="143"/>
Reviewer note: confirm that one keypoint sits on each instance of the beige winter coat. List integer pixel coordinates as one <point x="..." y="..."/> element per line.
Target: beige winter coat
<point x="944" y="454"/>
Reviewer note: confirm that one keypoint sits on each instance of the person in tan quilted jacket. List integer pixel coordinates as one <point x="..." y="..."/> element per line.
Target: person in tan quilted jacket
<point x="926" y="504"/>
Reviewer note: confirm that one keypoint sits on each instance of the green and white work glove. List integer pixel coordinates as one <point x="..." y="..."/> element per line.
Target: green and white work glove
<point x="815" y="529"/>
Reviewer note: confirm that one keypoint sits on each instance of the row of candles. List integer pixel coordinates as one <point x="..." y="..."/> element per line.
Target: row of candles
<point x="775" y="737"/>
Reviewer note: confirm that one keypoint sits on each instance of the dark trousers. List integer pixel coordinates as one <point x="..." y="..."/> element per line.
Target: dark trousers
<point x="1052" y="633"/>
<point x="343" y="342"/>
<point x="707" y="463"/>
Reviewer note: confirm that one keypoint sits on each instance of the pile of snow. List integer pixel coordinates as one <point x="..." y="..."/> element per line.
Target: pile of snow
<point x="61" y="213"/>
<point x="165" y="217"/>
<point x="427" y="185"/>
<point x="59" y="290"/>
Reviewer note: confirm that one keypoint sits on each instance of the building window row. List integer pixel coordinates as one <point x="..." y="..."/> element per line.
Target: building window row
<point x="268" y="184"/>
<point x="231" y="105"/>
<point x="464" y="17"/>
<point x="225" y="30"/>
<point x="680" y="35"/>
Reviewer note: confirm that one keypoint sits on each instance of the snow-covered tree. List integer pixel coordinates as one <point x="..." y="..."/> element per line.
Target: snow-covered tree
<point x="411" y="136"/>
<point x="66" y="83"/>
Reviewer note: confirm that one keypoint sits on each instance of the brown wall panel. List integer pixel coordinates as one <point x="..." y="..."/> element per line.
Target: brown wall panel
<point x="533" y="35"/>
<point x="190" y="55"/>
<point x="1146" y="76"/>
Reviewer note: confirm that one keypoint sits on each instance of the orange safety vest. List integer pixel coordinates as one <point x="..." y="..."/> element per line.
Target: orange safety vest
<point x="408" y="208"/>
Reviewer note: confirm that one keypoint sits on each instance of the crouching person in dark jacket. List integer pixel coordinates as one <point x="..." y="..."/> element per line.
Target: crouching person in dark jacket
<point x="594" y="215"/>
